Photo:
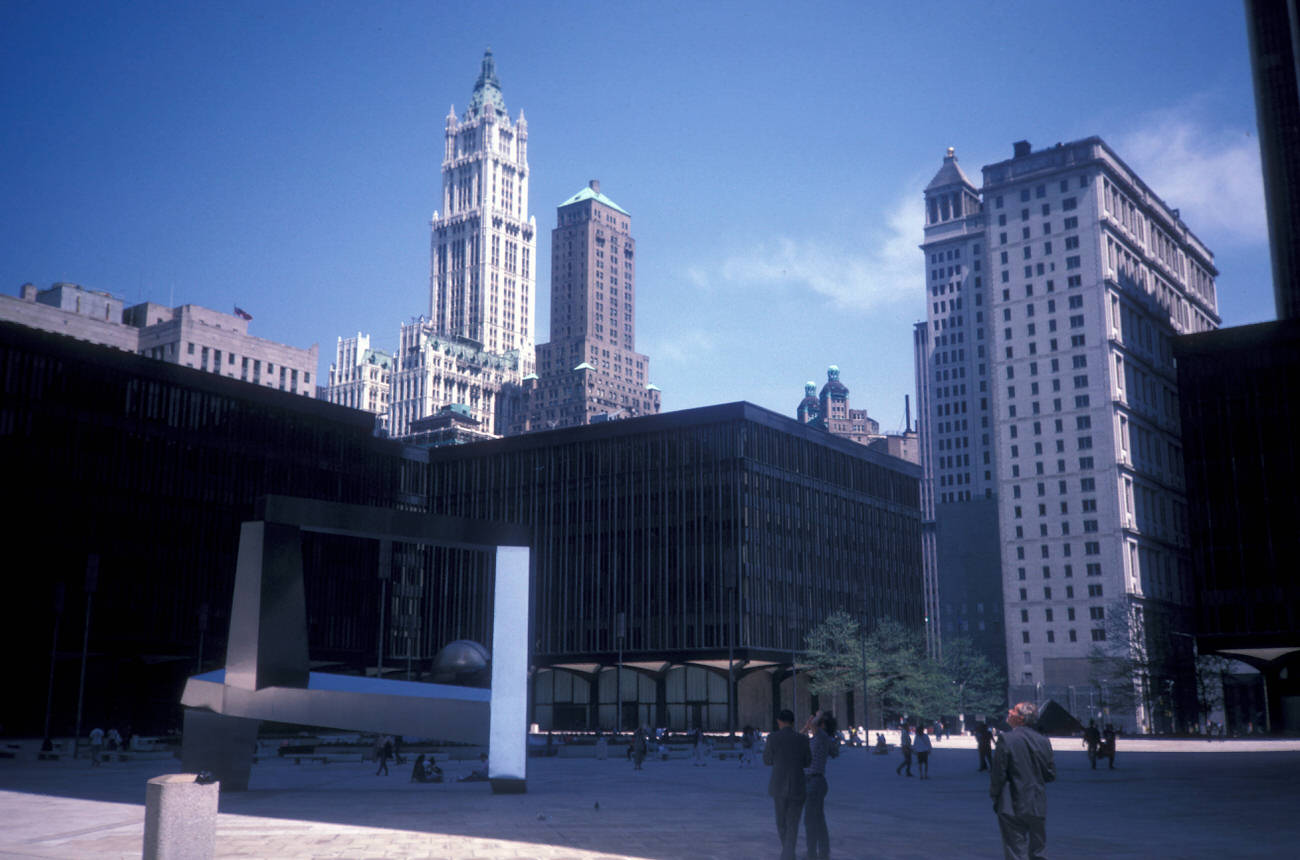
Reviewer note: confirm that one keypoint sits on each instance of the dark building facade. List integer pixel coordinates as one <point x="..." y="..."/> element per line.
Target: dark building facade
<point x="694" y="548"/>
<point x="720" y="536"/>
<point x="132" y="476"/>
<point x="1272" y="27"/>
<point x="1239" y="390"/>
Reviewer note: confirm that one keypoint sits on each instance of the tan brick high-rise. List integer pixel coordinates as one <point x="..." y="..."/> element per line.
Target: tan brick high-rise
<point x="590" y="370"/>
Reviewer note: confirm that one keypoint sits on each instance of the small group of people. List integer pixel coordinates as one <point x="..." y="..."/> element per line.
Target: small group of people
<point x="798" y="783"/>
<point x="1100" y="744"/>
<point x="425" y="769"/>
<point x="99" y="740"/>
<point x="914" y="740"/>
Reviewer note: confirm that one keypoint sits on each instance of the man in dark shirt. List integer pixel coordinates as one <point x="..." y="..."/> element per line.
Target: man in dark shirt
<point x="1092" y="740"/>
<point x="787" y="753"/>
<point x="984" y="743"/>
<point x="1022" y="767"/>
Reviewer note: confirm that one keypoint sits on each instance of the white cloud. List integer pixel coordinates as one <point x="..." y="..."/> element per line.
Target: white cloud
<point x="885" y="269"/>
<point x="683" y="347"/>
<point x="1210" y="174"/>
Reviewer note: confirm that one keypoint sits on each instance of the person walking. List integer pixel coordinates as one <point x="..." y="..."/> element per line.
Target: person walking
<point x="787" y="753"/>
<point x="905" y="745"/>
<point x="638" y="747"/>
<point x="1107" y="750"/>
<point x="823" y="745"/>
<point x="385" y="753"/>
<point x="1022" y="767"/>
<point x="921" y="746"/>
<point x="747" y="746"/>
<point x="699" y="752"/>
<point x="1092" y="740"/>
<point x="984" y="743"/>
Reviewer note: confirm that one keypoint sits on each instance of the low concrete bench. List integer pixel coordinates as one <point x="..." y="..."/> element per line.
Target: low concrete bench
<point x="180" y="818"/>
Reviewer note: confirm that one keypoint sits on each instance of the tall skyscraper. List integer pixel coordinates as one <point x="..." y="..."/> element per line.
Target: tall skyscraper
<point x="484" y="243"/>
<point x="477" y="342"/>
<point x="963" y="574"/>
<point x="1046" y="373"/>
<point x="590" y="370"/>
<point x="1274" y="30"/>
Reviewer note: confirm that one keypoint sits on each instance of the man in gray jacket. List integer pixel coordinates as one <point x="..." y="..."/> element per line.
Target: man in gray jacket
<point x="787" y="753"/>
<point x="1022" y="767"/>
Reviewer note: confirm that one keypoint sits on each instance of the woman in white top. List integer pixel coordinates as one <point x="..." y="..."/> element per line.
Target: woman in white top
<point x="922" y="746"/>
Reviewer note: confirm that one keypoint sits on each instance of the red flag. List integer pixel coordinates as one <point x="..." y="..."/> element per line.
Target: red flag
<point x="242" y="314"/>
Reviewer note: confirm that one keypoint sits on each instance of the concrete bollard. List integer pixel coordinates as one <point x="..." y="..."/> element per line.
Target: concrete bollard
<point x="180" y="818"/>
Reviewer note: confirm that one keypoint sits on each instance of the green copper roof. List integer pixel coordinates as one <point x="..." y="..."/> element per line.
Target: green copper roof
<point x="590" y="193"/>
<point x="487" y="90"/>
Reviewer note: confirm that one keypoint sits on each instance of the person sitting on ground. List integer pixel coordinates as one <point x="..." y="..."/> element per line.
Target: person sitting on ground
<point x="882" y="746"/>
<point x="478" y="774"/>
<point x="418" y="771"/>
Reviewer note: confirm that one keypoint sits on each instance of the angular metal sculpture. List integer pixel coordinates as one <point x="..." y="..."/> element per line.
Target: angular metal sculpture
<point x="267" y="678"/>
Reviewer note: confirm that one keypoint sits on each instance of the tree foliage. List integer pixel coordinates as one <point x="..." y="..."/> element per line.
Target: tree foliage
<point x="901" y="679"/>
<point x="834" y="655"/>
<point x="981" y="686"/>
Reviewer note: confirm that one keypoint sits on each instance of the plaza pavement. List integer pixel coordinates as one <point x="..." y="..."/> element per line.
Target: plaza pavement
<point x="1222" y="804"/>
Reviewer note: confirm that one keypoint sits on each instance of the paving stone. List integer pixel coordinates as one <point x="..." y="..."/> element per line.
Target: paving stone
<point x="1222" y="801"/>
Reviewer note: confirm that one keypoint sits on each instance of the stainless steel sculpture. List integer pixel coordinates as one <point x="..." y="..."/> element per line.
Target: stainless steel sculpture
<point x="267" y="678"/>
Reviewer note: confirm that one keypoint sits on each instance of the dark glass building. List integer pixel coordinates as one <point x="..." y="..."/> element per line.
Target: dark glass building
<point x="132" y="476"/>
<point x="699" y="546"/>
<point x="694" y="548"/>
<point x="1239" y="390"/>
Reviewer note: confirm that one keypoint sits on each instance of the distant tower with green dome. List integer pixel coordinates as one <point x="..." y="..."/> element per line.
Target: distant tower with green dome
<point x="590" y="370"/>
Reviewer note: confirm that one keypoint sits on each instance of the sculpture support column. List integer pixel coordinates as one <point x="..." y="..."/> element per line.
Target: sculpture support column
<point x="508" y="744"/>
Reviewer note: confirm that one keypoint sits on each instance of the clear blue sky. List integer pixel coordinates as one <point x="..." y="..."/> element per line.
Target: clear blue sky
<point x="285" y="156"/>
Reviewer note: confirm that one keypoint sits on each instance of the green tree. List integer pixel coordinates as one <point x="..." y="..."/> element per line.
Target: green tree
<point x="980" y="687"/>
<point x="1139" y="662"/>
<point x="834" y="655"/>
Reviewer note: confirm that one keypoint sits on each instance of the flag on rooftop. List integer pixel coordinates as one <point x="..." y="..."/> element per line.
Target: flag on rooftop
<point x="242" y="314"/>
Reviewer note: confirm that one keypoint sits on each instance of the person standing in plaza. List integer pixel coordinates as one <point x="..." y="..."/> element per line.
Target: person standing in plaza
<point x="96" y="746"/>
<point x="905" y="745"/>
<point x="699" y="751"/>
<point x="1022" y="767"/>
<point x="747" y="746"/>
<point x="984" y="743"/>
<point x="385" y="752"/>
<point x="787" y="753"/>
<point x="823" y="745"/>
<point x="1092" y="740"/>
<point x="638" y="748"/>
<point x="921" y="746"/>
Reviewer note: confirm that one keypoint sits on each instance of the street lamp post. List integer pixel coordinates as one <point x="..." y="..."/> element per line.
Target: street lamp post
<point x="1196" y="675"/>
<point x="385" y="570"/>
<point x="731" y="659"/>
<point x="92" y="580"/>
<point x="203" y="628"/>
<point x="54" y="651"/>
<point x="794" y="666"/>
<point x="618" y="695"/>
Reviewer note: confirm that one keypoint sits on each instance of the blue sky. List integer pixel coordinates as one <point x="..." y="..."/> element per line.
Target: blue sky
<point x="285" y="156"/>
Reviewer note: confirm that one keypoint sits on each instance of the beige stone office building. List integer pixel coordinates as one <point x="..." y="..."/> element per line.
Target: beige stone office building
<point x="188" y="335"/>
<point x="1048" y="396"/>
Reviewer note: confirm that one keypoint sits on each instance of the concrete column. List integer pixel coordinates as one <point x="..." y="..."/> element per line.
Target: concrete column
<point x="180" y="818"/>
